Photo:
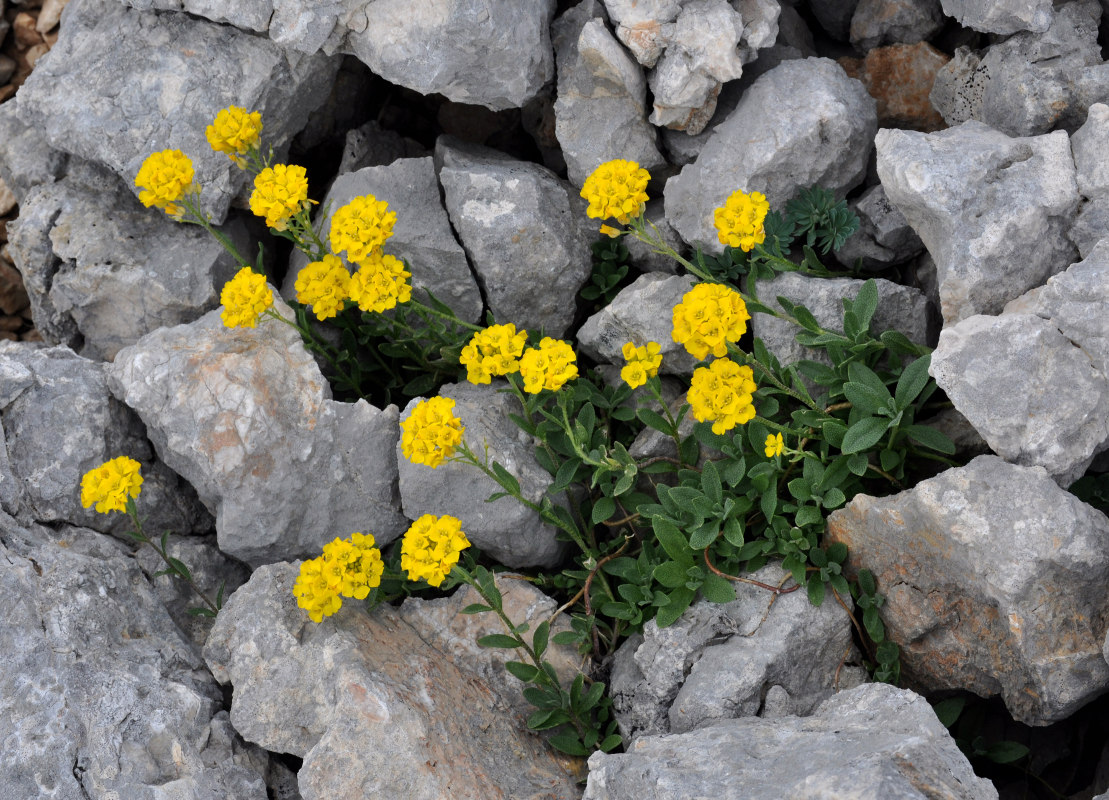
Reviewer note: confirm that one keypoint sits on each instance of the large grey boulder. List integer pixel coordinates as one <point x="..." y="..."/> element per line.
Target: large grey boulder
<point x="992" y="211"/>
<point x="994" y="579"/>
<point x="245" y="415"/>
<point x="718" y="661"/>
<point x="874" y="742"/>
<point x="525" y="231"/>
<point x="601" y="109"/>
<point x="102" y="271"/>
<point x="802" y="123"/>
<point x="100" y="694"/>
<point x="60" y="421"/>
<point x="1000" y="16"/>
<point x="1090" y="146"/>
<point x="506" y="529"/>
<point x="116" y="105"/>
<point x="1032" y="82"/>
<point x="373" y="707"/>
<point x="422" y="234"/>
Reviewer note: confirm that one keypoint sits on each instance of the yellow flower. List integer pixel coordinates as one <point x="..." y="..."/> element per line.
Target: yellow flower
<point x="774" y="445"/>
<point x="348" y="568"/>
<point x="548" y="366"/>
<point x="431" y="432"/>
<point x="110" y="484"/>
<point x="616" y="189"/>
<point x="643" y="363"/>
<point x="722" y="393"/>
<point x="324" y="285"/>
<point x="317" y="588"/>
<point x="279" y="192"/>
<point x="431" y="547"/>
<point x="244" y="298"/>
<point x="708" y="317"/>
<point x="234" y="131"/>
<point x="493" y="351"/>
<point x="739" y="222"/>
<point x="611" y="232"/>
<point x="165" y="177"/>
<point x="361" y="227"/>
<point x="380" y="283"/>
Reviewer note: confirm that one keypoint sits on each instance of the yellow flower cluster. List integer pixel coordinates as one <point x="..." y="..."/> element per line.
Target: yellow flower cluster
<point x="361" y="227"/>
<point x="165" y="177"/>
<point x="431" y="547"/>
<point x="493" y="351"/>
<point x="739" y="222"/>
<point x="380" y="283"/>
<point x="431" y="432"/>
<point x="616" y="190"/>
<point x="279" y="192"/>
<point x="244" y="298"/>
<point x="324" y="285"/>
<point x="722" y="393"/>
<point x="235" y="131"/>
<point x="548" y="366"/>
<point x="643" y="363"/>
<point x="708" y="317"/>
<point x="110" y="484"/>
<point x="347" y="568"/>
<point x="774" y="445"/>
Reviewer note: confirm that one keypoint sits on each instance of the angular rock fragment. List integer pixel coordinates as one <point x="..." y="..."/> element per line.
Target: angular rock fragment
<point x="1090" y="146"/>
<point x="994" y="579"/>
<point x="878" y="22"/>
<point x="901" y="77"/>
<point x="884" y="237"/>
<point x="1000" y="16"/>
<point x="26" y="160"/>
<point x="245" y="415"/>
<point x="992" y="211"/>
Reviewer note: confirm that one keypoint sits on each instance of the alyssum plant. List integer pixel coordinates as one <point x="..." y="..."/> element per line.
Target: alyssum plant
<point x="773" y="449"/>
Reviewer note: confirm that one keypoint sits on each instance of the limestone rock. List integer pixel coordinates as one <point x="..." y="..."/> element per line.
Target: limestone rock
<point x="642" y="257"/>
<point x="884" y="236"/>
<point x="1090" y="146"/>
<point x="245" y="415"/>
<point x="992" y="211"/>
<point x="371" y="145"/>
<point x="835" y="16"/>
<point x="901" y="77"/>
<point x="804" y="113"/>
<point x="878" y="22"/>
<point x="994" y="580"/>
<point x="1000" y="16"/>
<point x="25" y="159"/>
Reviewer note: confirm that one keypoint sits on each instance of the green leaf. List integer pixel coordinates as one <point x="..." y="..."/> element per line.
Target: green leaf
<point x="866" y="303"/>
<point x="180" y="568"/>
<point x="499" y="640"/>
<point x="733" y="531"/>
<point x="506" y="478"/>
<point x="704" y="535"/>
<point x="839" y="583"/>
<point x="603" y="509"/>
<point x="476" y="608"/>
<point x="912" y="381"/>
<point x="864" y="434"/>
<point x="592" y="696"/>
<point x="679" y="602"/>
<point x="867" y="583"/>
<point x="733" y="471"/>
<point x="710" y="483"/>
<point x="670" y="574"/>
<point x="565" y="475"/>
<point x="807" y="515"/>
<point x="836" y="552"/>
<point x="815" y="588"/>
<point x="566" y="637"/>
<point x="857" y="462"/>
<point x="768" y="502"/>
<point x="833" y="498"/>
<point x="568" y="743"/>
<point x="717" y="590"/>
<point x="864" y="398"/>
<point x="875" y="628"/>
<point x="834" y="431"/>
<point x="931" y="438"/>
<point x="672" y="541"/>
<point x="654" y="420"/>
<point x="887" y="652"/>
<point x="525" y="672"/>
<point x="948" y="710"/>
<point x="547" y="718"/>
<point x="1006" y="752"/>
<point x="800" y="489"/>
<point x="539" y="638"/>
<point x="610" y="743"/>
<point x="199" y="611"/>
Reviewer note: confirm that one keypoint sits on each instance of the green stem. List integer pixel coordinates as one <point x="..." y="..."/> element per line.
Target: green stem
<point x="141" y="536"/>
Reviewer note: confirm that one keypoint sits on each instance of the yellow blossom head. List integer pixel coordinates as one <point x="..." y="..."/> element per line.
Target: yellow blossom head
<point x="279" y="192"/>
<point x="318" y="587"/>
<point x="165" y="177"/>
<point x="109" y="485"/>
<point x="244" y="298"/>
<point x="708" y="317"/>
<point x="235" y="131"/>
<point x="616" y="190"/>
<point x="431" y="547"/>
<point x="324" y="285"/>
<point x="380" y="283"/>
<point x="361" y="227"/>
<point x="643" y="363"/>
<point x="348" y="568"/>
<point x="548" y="366"/>
<point x="493" y="351"/>
<point x="739" y="222"/>
<point x="722" y="393"/>
<point x="431" y="432"/>
<point x="774" y="445"/>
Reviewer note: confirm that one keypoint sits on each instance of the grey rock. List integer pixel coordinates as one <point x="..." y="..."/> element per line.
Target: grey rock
<point x="116" y="105"/>
<point x="992" y="211"/>
<point x="717" y="661"/>
<point x="1091" y="224"/>
<point x="100" y="694"/>
<point x="806" y="114"/>
<point x="884" y="237"/>
<point x="506" y="529"/>
<point x="371" y="706"/>
<point x="640" y="313"/>
<point x="834" y="16"/>
<point x="26" y="160"/>
<point x="994" y="583"/>
<point x="525" y="231"/>
<point x="60" y="421"/>
<point x="874" y="741"/>
<point x="371" y="145"/>
<point x="1032" y="82"/>
<point x="1090" y="146"/>
<point x="642" y="256"/>
<point x="251" y="15"/>
<point x="245" y="415"/>
<point x="643" y="25"/>
<point x="879" y="22"/>
<point x="1000" y="16"/>
<point x="1035" y="397"/>
<point x="102" y="271"/>
<point x="422" y="235"/>
<point x="601" y="110"/>
<point x="900" y="308"/>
